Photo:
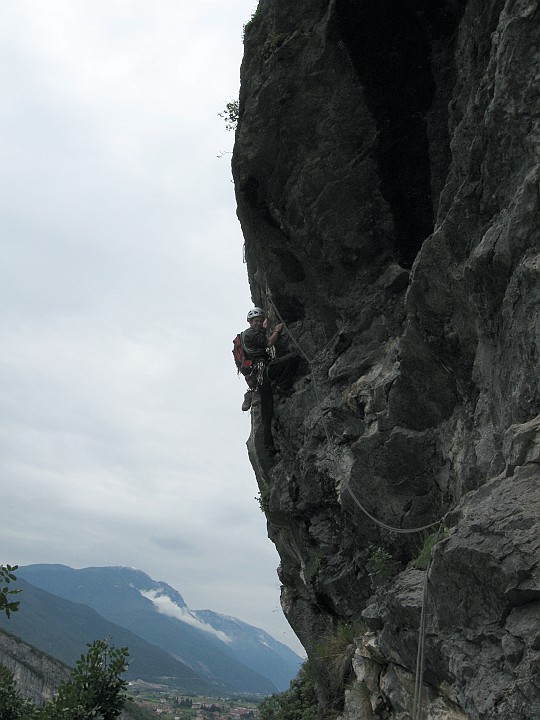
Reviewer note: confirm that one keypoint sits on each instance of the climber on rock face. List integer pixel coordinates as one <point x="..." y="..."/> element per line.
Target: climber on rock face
<point x="255" y="338"/>
<point x="278" y="373"/>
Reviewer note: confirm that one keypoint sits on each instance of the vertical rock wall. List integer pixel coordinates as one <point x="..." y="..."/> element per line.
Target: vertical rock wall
<point x="387" y="171"/>
<point x="37" y="675"/>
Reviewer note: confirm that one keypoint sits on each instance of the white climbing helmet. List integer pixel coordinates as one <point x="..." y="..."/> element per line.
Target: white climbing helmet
<point x="255" y="312"/>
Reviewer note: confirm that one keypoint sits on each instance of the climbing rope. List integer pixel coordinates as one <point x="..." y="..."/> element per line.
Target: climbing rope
<point x="420" y="656"/>
<point x="331" y="445"/>
<point x="311" y="361"/>
<point x="419" y="675"/>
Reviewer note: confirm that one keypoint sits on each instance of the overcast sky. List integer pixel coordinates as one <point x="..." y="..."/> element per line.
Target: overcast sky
<point x="121" y="288"/>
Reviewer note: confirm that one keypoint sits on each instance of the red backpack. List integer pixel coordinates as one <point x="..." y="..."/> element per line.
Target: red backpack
<point x="243" y="363"/>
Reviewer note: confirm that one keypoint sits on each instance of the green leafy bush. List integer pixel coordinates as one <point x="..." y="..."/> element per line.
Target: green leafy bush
<point x="231" y="114"/>
<point x="299" y="702"/>
<point x="335" y="645"/>
<point x="12" y="704"/>
<point x="424" y="555"/>
<point x="8" y="606"/>
<point x="94" y="691"/>
<point x="382" y="564"/>
<point x="263" y="498"/>
<point x="253" y="22"/>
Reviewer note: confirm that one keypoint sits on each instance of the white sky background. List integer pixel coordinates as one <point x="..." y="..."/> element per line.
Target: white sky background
<point x="121" y="288"/>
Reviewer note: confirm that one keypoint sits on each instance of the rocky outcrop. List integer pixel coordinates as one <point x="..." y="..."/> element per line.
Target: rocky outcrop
<point x="387" y="170"/>
<point x="37" y="674"/>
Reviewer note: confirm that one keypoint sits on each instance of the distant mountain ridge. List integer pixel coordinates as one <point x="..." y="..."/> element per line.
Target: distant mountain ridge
<point x="218" y="650"/>
<point x="62" y="629"/>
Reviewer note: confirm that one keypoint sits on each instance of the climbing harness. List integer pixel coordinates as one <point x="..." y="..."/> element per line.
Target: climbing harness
<point x="260" y="371"/>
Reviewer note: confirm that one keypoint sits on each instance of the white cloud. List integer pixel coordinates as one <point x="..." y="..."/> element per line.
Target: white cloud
<point x="166" y="606"/>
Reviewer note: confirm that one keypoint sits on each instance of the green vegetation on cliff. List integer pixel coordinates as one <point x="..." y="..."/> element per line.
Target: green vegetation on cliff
<point x="8" y="606"/>
<point x="299" y="702"/>
<point x="95" y="689"/>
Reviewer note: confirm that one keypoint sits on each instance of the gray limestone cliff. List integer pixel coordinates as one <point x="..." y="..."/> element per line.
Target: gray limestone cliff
<point x="387" y="174"/>
<point x="37" y="675"/>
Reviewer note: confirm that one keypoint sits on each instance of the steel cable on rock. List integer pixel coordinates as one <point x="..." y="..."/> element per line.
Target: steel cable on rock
<point x="420" y="653"/>
<point x="332" y="448"/>
<point x="420" y="658"/>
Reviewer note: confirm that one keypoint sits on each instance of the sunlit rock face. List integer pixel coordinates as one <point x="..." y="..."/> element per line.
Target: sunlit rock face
<point x="387" y="173"/>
